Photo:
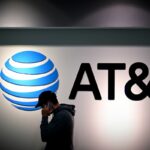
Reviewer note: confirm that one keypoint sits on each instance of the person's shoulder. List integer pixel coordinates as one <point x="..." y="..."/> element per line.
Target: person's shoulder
<point x="64" y="114"/>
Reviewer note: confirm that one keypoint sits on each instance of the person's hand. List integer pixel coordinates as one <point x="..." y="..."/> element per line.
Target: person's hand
<point x="45" y="111"/>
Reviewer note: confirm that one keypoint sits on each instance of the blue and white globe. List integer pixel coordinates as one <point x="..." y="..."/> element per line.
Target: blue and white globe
<point x="24" y="76"/>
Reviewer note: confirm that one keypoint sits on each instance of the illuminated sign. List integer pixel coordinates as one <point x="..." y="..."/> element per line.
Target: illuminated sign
<point x="26" y="74"/>
<point x="88" y="62"/>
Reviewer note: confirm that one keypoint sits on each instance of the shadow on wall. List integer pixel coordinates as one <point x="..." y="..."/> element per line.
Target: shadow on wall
<point x="117" y="15"/>
<point x="92" y="13"/>
<point x="27" y="14"/>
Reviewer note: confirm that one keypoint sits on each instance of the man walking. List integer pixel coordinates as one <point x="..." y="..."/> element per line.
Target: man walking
<point x="58" y="133"/>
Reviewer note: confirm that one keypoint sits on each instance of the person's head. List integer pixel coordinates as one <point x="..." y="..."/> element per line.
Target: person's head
<point x="47" y="97"/>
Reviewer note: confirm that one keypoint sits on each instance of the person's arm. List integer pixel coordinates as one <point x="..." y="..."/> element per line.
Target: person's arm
<point x="43" y="126"/>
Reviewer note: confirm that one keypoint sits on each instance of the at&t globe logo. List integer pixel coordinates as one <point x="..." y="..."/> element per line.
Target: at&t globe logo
<point x="25" y="75"/>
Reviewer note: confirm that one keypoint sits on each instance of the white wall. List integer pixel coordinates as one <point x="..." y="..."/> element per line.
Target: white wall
<point x="107" y="125"/>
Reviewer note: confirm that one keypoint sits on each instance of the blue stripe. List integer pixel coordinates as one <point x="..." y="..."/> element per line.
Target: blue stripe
<point x="28" y="57"/>
<point x="35" y="94"/>
<point x="48" y="66"/>
<point x="36" y="82"/>
<point x="27" y="109"/>
<point x="21" y="103"/>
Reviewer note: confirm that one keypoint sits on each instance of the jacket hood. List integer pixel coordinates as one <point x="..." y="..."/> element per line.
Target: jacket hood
<point x="68" y="107"/>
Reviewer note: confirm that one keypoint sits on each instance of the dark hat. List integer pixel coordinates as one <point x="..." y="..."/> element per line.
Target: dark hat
<point x="46" y="96"/>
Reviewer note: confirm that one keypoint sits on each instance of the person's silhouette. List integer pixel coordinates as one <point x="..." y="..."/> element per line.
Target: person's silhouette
<point x="58" y="133"/>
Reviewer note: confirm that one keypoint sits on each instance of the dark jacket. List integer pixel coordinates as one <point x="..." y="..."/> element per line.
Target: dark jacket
<point x="58" y="133"/>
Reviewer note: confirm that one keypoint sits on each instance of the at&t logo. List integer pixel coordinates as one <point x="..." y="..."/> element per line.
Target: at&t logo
<point x="25" y="75"/>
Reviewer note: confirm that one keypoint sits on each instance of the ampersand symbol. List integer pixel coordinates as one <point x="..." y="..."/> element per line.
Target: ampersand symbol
<point x="138" y="80"/>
